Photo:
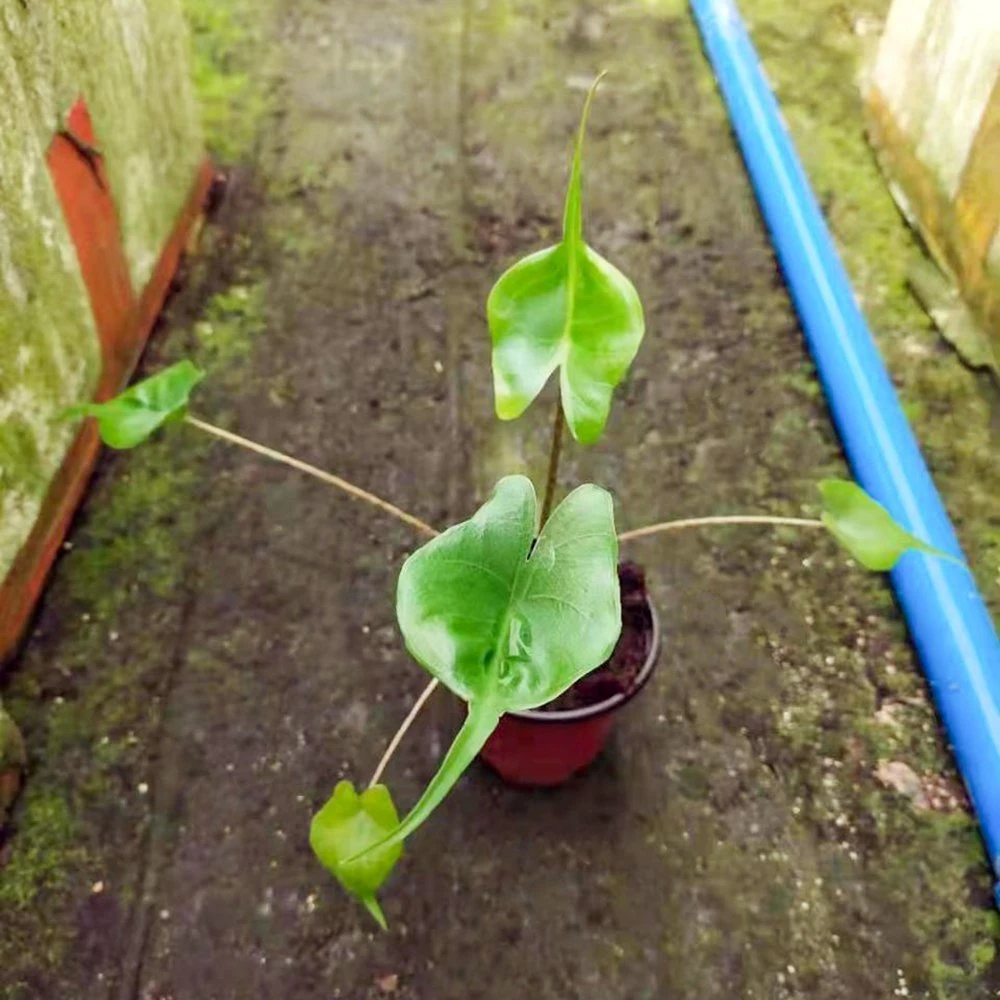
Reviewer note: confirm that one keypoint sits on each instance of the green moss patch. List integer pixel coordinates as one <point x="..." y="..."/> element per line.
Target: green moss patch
<point x="230" y="56"/>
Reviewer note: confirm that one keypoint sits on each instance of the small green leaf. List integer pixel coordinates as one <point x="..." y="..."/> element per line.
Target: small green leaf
<point x="348" y="825"/>
<point x="502" y="621"/>
<point x="866" y="529"/>
<point x="564" y="307"/>
<point x="130" y="418"/>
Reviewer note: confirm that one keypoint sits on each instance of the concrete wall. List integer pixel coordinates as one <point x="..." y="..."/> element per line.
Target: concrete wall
<point x="934" y="100"/>
<point x="129" y="59"/>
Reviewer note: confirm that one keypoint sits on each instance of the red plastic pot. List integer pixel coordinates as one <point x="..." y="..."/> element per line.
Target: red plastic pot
<point x="540" y="749"/>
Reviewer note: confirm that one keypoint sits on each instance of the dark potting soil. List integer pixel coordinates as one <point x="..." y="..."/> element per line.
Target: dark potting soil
<point x="618" y="674"/>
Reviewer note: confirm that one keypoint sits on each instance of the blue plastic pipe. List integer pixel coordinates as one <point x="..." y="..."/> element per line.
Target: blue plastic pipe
<point x="948" y="621"/>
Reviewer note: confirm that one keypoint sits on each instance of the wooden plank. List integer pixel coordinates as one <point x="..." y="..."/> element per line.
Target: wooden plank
<point x="977" y="203"/>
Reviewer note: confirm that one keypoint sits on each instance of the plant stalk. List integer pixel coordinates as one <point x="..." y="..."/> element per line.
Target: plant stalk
<point x="401" y="732"/>
<point x="702" y="522"/>
<point x="326" y="477"/>
<point x="479" y="724"/>
<point x="555" y="451"/>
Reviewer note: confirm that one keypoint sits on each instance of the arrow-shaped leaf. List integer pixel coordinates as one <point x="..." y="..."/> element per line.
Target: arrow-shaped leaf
<point x="133" y="415"/>
<point x="348" y="825"/>
<point x="499" y="619"/>
<point x="506" y="622"/>
<point x="564" y="307"/>
<point x="866" y="529"/>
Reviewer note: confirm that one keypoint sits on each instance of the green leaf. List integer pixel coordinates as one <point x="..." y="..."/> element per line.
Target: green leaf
<point x="133" y="415"/>
<point x="564" y="307"/>
<point x="499" y="621"/>
<point x="507" y="622"/>
<point x="866" y="529"/>
<point x="348" y="825"/>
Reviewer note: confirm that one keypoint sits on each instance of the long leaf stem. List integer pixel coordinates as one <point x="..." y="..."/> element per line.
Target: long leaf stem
<point x="401" y="732"/>
<point x="326" y="477"/>
<point x="704" y="522"/>
<point x="471" y="738"/>
<point x="555" y="451"/>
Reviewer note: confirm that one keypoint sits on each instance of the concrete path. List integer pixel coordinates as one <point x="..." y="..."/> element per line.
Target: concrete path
<point x="219" y="648"/>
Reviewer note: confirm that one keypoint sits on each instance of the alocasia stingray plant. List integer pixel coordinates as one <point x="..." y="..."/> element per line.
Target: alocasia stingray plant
<point x="513" y="606"/>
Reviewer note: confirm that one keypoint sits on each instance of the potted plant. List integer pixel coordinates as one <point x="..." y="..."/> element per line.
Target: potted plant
<point x="522" y="611"/>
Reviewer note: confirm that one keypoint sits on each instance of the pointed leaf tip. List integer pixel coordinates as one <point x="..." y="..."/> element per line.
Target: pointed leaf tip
<point x="505" y="620"/>
<point x="573" y="207"/>
<point x="133" y="415"/>
<point x="348" y="825"/>
<point x="371" y="904"/>
<point x="866" y="529"/>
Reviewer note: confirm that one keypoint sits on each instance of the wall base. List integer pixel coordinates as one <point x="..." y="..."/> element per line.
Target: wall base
<point x="124" y="322"/>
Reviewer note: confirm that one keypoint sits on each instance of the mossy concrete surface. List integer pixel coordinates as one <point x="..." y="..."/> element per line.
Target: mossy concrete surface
<point x="12" y="761"/>
<point x="130" y="61"/>
<point x="777" y="816"/>
<point x="230" y="46"/>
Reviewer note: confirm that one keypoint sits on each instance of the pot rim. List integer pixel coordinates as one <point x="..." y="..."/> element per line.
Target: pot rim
<point x="563" y="716"/>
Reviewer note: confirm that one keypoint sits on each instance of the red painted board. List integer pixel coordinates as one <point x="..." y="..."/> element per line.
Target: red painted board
<point x="123" y="320"/>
